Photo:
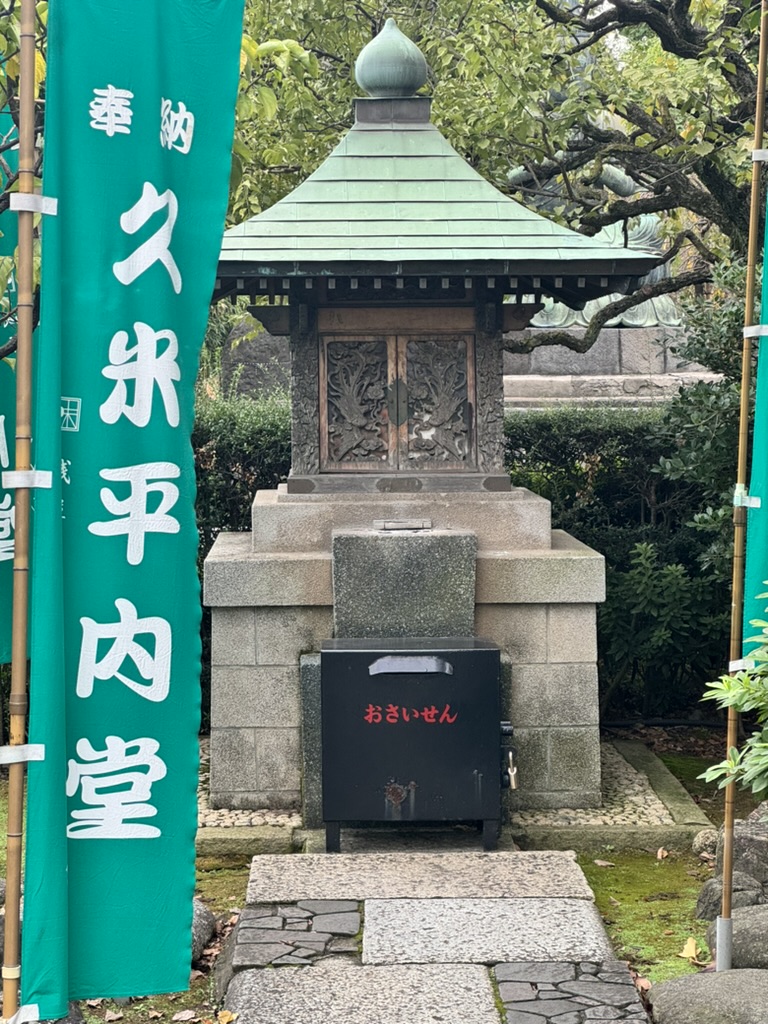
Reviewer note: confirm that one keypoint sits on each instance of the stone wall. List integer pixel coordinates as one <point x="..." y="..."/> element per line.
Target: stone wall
<point x="618" y="350"/>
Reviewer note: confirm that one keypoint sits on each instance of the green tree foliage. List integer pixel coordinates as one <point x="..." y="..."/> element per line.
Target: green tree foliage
<point x="747" y="693"/>
<point x="9" y="98"/>
<point x="663" y="628"/>
<point x="700" y="428"/>
<point x="552" y="102"/>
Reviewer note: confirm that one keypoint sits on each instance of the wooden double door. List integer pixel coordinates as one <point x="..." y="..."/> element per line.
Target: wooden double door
<point x="397" y="402"/>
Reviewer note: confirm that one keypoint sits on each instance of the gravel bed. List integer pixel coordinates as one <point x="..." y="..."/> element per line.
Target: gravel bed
<point x="628" y="799"/>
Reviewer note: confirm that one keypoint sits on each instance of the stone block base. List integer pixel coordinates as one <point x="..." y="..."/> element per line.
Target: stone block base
<point x="272" y="609"/>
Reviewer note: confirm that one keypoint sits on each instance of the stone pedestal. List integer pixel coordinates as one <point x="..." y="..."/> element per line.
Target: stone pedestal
<point x="272" y="595"/>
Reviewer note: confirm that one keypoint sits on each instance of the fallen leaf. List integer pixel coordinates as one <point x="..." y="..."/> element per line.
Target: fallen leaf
<point x="185" y="1015"/>
<point x="669" y="931"/>
<point x="614" y="902"/>
<point x="209" y="950"/>
<point x="225" y="1017"/>
<point x="93" y="1002"/>
<point x="155" y="1015"/>
<point x="110" y="1016"/>
<point x="605" y="863"/>
<point x="661" y="853"/>
<point x="194" y="975"/>
<point x="642" y="984"/>
<point x="689" y="950"/>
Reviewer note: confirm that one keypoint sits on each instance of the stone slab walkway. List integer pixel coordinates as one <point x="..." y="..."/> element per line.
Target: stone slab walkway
<point x="415" y="938"/>
<point x="322" y="876"/>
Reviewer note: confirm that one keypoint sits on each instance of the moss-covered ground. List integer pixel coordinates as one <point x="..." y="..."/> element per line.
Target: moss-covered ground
<point x="648" y="906"/>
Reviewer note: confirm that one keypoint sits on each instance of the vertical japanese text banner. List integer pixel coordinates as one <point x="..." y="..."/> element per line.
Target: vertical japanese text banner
<point x="8" y="242"/>
<point x="139" y="118"/>
<point x="756" y="571"/>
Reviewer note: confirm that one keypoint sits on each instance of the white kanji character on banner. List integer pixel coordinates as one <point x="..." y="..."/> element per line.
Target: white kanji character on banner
<point x="176" y="127"/>
<point x="142" y="364"/>
<point x="4" y="458"/>
<point x="154" y="666"/>
<point x="137" y="518"/>
<point x="115" y="785"/>
<point x="7" y="526"/>
<point x="157" y="246"/>
<point x="111" y="111"/>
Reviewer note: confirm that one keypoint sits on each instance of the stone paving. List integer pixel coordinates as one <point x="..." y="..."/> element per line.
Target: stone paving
<point x="567" y="993"/>
<point x="295" y="933"/>
<point x="491" y="938"/>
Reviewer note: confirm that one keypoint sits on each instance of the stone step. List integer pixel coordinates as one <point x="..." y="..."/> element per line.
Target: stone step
<point x="400" y="875"/>
<point x="446" y="936"/>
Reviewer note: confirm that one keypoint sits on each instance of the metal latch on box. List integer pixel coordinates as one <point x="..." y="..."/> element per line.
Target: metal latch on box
<point x="511" y="770"/>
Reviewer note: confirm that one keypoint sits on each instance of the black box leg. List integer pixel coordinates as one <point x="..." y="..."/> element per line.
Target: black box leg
<point x="332" y="837"/>
<point x="490" y="833"/>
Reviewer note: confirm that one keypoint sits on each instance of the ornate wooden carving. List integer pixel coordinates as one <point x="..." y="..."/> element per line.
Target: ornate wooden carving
<point x="438" y="425"/>
<point x="490" y="398"/>
<point x="356" y="377"/>
<point x="305" y="401"/>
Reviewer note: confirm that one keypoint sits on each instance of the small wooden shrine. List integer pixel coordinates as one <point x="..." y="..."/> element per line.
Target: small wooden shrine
<point x="395" y="268"/>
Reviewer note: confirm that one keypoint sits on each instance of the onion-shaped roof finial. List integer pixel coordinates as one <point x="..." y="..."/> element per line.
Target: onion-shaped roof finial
<point x="391" y="65"/>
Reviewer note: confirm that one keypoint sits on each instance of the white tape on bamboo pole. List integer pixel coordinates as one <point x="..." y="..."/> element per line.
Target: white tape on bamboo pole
<point x="22" y="752"/>
<point x="24" y="202"/>
<point x="15" y="479"/>
<point x="756" y="331"/>
<point x="742" y="499"/>
<point x="742" y="665"/>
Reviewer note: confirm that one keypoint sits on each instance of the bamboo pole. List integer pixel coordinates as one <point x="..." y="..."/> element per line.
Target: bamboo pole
<point x="18" y="699"/>
<point x="724" y="923"/>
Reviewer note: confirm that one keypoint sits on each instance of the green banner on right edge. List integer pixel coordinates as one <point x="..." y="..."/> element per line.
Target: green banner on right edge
<point x="756" y="574"/>
<point x="8" y="241"/>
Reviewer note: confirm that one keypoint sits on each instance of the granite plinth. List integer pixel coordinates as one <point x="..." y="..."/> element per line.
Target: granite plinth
<point x="401" y="583"/>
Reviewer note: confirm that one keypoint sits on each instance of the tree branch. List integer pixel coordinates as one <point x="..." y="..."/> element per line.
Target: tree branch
<point x="533" y="338"/>
<point x="8" y="348"/>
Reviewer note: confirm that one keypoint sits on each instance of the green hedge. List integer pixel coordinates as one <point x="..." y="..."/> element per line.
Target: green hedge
<point x="241" y="446"/>
<point x="662" y="631"/>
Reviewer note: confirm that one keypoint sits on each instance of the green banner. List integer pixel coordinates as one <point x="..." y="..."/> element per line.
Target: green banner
<point x="756" y="573"/>
<point x="138" y="131"/>
<point x="8" y="242"/>
<point x="7" y="505"/>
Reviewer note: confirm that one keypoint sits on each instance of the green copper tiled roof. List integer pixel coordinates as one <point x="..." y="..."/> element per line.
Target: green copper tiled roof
<point x="398" y="198"/>
<point x="394" y="198"/>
